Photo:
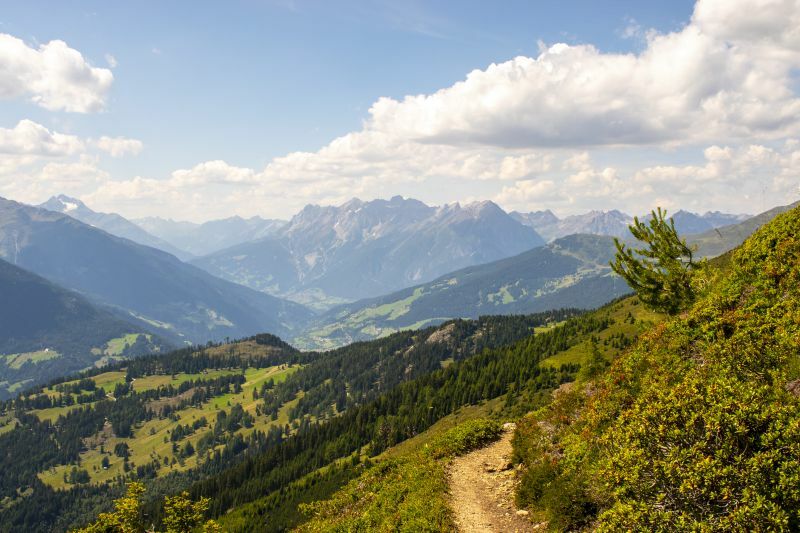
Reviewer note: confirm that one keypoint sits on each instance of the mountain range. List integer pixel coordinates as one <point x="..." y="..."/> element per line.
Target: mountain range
<point x="151" y="287"/>
<point x="369" y="268"/>
<point x="209" y="237"/>
<point x="365" y="249"/>
<point x="615" y="223"/>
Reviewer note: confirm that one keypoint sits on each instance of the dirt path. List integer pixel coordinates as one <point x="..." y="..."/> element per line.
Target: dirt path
<point x="482" y="490"/>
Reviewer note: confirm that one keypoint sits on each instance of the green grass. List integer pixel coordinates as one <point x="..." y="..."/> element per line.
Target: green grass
<point x="162" y="380"/>
<point x="502" y="296"/>
<point x="489" y="409"/>
<point x="16" y="360"/>
<point x="404" y="491"/>
<point x="118" y="345"/>
<point x="6" y="423"/>
<point x="367" y="321"/>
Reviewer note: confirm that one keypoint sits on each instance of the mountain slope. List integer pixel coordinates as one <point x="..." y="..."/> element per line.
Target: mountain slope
<point x="363" y="249"/>
<point x="225" y="401"/>
<point x="214" y="235"/>
<point x="717" y="241"/>
<point x="177" y="299"/>
<point x="47" y="331"/>
<point x="570" y="272"/>
<point x="111" y="223"/>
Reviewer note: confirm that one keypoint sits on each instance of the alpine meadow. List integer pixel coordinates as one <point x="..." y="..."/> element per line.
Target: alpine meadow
<point x="367" y="266"/>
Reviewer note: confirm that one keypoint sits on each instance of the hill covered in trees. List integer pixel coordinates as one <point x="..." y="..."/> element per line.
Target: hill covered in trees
<point x="195" y="417"/>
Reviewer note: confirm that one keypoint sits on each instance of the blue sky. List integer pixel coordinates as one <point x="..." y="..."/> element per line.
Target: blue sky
<point x="247" y="82"/>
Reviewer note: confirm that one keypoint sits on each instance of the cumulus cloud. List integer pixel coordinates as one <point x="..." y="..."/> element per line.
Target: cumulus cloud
<point x="212" y="172"/>
<point x="53" y="76"/>
<point x="728" y="73"/>
<point x="119" y="146"/>
<point x="32" y="139"/>
<point x="33" y="183"/>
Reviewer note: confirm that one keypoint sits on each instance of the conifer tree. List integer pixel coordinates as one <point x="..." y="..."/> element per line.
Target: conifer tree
<point x="660" y="272"/>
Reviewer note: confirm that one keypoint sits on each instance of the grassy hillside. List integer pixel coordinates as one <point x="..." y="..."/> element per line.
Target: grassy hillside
<point x="407" y="492"/>
<point x="695" y="428"/>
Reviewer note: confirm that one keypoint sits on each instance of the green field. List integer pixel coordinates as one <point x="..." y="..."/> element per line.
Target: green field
<point x="365" y="321"/>
<point x="118" y="345"/>
<point x="16" y="360"/>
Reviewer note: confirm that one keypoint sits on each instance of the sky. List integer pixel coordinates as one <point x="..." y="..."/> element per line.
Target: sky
<point x="201" y="110"/>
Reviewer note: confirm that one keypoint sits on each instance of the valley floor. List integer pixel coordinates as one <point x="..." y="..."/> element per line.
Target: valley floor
<point x="482" y="490"/>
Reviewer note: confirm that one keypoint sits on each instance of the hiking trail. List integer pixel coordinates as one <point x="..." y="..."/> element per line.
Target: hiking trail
<point x="482" y="486"/>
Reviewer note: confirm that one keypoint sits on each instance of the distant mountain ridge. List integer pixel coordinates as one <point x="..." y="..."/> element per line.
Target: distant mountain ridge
<point x="718" y="240"/>
<point x="615" y="223"/>
<point x="110" y="222"/>
<point x="363" y="249"/>
<point x="209" y="237"/>
<point x="178" y="300"/>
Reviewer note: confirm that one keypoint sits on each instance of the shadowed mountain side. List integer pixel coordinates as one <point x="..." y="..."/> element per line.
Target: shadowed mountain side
<point x="147" y="283"/>
<point x="47" y="331"/>
<point x="111" y="223"/>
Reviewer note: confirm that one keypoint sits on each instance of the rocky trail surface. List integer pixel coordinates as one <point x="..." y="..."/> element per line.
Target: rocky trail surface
<point x="482" y="490"/>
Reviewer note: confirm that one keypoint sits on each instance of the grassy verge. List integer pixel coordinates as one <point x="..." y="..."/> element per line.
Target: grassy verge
<point x="403" y="493"/>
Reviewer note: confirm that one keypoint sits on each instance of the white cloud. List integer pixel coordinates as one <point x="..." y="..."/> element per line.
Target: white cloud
<point x="32" y="139"/>
<point x="119" y="146"/>
<point x="685" y="86"/>
<point x="527" y="193"/>
<point x="54" y="76"/>
<point x="212" y="172"/>
<point x="111" y="60"/>
<point x="33" y="183"/>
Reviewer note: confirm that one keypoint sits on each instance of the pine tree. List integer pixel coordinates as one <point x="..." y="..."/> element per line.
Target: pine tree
<point x="661" y="272"/>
